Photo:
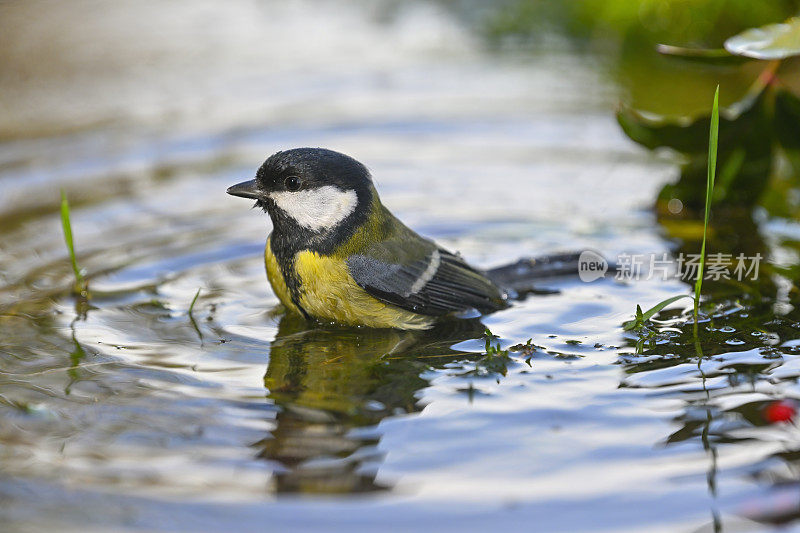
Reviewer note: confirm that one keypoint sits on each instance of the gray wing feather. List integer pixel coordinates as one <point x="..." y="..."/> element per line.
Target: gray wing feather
<point x="435" y="284"/>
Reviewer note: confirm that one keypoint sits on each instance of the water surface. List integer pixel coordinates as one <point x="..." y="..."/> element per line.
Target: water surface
<point x="129" y="413"/>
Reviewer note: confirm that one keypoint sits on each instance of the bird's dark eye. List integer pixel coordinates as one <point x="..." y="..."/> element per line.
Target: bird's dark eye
<point x="292" y="183"/>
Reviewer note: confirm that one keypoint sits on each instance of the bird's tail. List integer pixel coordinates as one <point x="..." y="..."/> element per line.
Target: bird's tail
<point x="524" y="275"/>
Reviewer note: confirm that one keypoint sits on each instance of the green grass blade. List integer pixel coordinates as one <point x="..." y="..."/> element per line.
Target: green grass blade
<point x="191" y="317"/>
<point x="194" y="301"/>
<point x="641" y="318"/>
<point x="66" y="225"/>
<point x="713" y="140"/>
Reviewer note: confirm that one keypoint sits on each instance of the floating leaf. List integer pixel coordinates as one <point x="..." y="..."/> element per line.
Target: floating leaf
<point x="746" y="138"/>
<point x="774" y="41"/>
<point x="714" y="56"/>
<point x="689" y="135"/>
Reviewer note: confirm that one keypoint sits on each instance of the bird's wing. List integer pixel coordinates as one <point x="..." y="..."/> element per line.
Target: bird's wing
<point x="413" y="273"/>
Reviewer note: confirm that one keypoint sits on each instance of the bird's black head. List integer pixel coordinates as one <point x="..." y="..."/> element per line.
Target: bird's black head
<point x="310" y="190"/>
<point x="312" y="168"/>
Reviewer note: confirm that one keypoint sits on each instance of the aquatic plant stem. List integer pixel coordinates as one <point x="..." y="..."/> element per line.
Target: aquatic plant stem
<point x="713" y="140"/>
<point x="194" y="301"/>
<point x="638" y="323"/>
<point x="79" y="286"/>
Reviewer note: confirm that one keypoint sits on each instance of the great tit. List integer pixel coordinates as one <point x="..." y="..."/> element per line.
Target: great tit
<point x="336" y="254"/>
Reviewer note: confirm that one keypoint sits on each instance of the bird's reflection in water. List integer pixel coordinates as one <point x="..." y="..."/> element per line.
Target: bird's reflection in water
<point x="332" y="384"/>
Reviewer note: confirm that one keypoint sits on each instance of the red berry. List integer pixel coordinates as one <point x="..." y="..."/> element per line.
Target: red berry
<point x="780" y="411"/>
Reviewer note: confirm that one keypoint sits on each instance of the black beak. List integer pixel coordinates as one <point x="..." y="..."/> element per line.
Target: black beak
<point x="246" y="189"/>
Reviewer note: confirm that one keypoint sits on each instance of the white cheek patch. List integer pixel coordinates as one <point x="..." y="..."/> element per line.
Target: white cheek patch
<point x="317" y="209"/>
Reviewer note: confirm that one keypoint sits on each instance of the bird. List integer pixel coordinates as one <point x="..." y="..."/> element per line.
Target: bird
<point x="337" y="255"/>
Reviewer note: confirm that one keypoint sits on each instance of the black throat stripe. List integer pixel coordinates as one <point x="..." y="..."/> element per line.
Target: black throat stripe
<point x="290" y="238"/>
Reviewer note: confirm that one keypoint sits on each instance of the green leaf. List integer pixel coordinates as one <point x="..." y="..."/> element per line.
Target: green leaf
<point x="713" y="56"/>
<point x="66" y="226"/>
<point x="647" y="315"/>
<point x="713" y="141"/>
<point x="688" y="134"/>
<point x="746" y="139"/>
<point x="774" y="41"/>
<point x="194" y="301"/>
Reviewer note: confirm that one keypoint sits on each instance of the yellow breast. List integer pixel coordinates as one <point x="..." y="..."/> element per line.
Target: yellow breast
<point x="329" y="292"/>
